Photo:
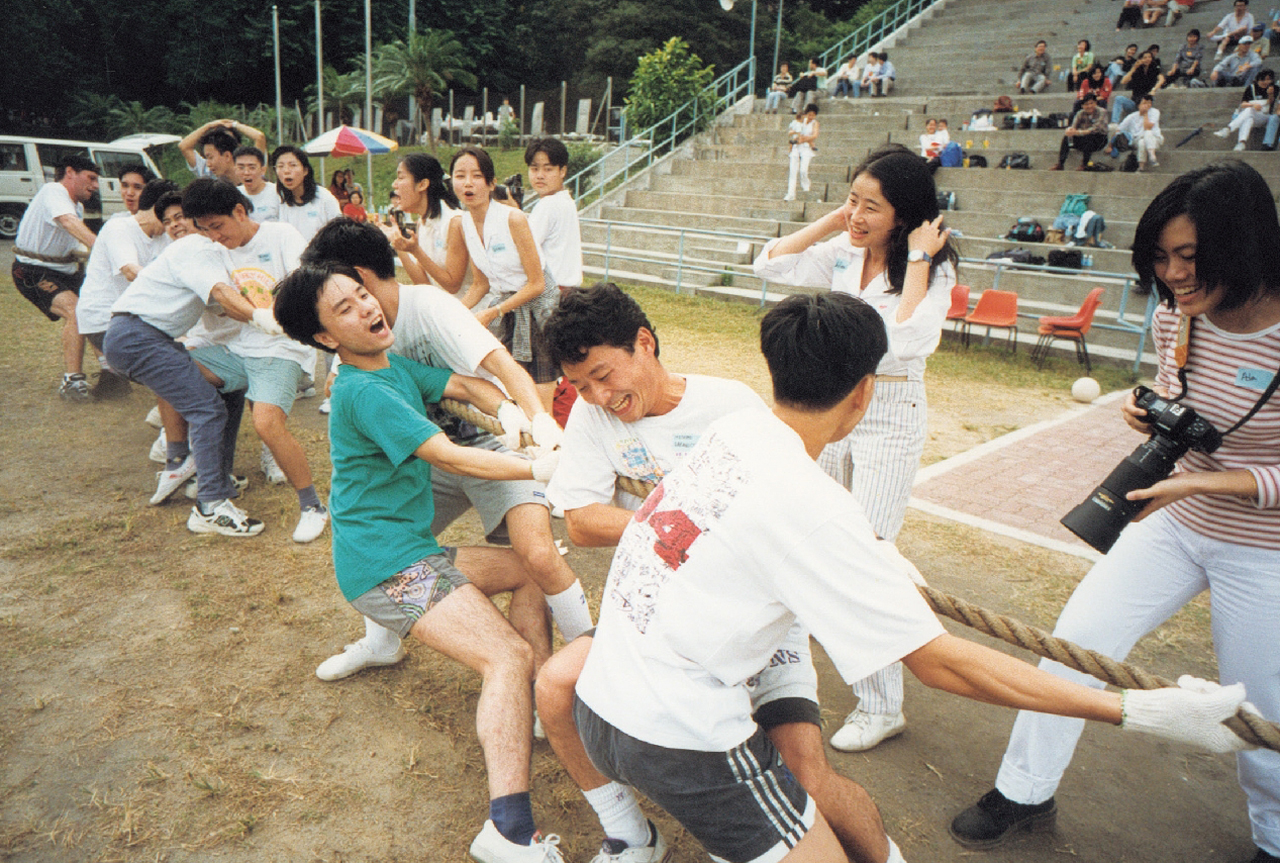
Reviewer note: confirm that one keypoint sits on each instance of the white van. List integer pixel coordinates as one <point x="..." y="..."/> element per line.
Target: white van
<point x="26" y="164"/>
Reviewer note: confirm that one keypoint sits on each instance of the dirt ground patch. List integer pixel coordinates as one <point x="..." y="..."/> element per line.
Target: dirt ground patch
<point x="158" y="699"/>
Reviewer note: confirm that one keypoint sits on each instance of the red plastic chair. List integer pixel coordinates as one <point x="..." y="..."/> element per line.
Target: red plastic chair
<point x="1073" y="328"/>
<point x="959" y="305"/>
<point x="994" y="309"/>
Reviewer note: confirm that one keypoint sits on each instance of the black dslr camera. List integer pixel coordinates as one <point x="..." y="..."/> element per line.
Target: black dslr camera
<point x="1175" y="428"/>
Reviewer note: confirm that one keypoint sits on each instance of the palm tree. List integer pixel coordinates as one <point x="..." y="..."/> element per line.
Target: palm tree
<point x="340" y="92"/>
<point x="427" y="64"/>
<point x="128" y="118"/>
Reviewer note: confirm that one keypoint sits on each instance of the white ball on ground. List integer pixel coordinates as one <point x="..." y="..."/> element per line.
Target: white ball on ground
<point x="1085" y="390"/>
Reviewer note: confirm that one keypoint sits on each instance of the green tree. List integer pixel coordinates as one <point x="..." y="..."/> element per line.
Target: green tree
<point x="428" y="63"/>
<point x="129" y="118"/>
<point x="664" y="80"/>
<point x="341" y="92"/>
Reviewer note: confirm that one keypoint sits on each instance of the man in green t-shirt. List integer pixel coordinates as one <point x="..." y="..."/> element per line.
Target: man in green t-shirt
<point x="388" y="564"/>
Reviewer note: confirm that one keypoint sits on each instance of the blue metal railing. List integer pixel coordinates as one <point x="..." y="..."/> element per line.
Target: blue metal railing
<point x="874" y="30"/>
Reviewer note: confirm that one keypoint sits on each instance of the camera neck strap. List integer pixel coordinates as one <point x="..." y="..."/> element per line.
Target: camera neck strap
<point x="1182" y="351"/>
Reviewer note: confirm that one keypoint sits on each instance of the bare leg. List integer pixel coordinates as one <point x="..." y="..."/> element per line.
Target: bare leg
<point x="819" y="845"/>
<point x="853" y="816"/>
<point x="529" y="526"/>
<point x="498" y="570"/>
<point x="554" y="690"/>
<point x="465" y="626"/>
<point x="175" y="427"/>
<point x="64" y="306"/>
<point x="269" y="422"/>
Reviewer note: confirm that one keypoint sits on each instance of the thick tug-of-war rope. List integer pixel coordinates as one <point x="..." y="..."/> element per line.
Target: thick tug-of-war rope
<point x="1250" y="727"/>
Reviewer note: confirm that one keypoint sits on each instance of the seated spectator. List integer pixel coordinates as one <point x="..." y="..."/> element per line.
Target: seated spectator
<point x="1131" y="14"/>
<point x="1238" y="68"/>
<point x="1258" y="101"/>
<point x="846" y="78"/>
<point x="880" y="82"/>
<point x="1145" y="77"/>
<point x="1141" y="132"/>
<point x="354" y="207"/>
<point x="1233" y="27"/>
<point x="1152" y="10"/>
<point x="805" y="88"/>
<point x="1186" y="63"/>
<point x="1261" y="46"/>
<point x="1122" y="64"/>
<point x="1087" y="133"/>
<point x="1177" y="8"/>
<point x="778" y="90"/>
<point x="338" y="187"/>
<point x="1034" y="74"/>
<point x="1081" y="63"/>
<point x="934" y="138"/>
<point x="1098" y="84"/>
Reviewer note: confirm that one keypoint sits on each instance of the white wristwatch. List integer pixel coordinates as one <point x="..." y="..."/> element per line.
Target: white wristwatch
<point x="919" y="255"/>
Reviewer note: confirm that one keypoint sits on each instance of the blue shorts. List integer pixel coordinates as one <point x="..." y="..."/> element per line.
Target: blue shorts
<point x="269" y="380"/>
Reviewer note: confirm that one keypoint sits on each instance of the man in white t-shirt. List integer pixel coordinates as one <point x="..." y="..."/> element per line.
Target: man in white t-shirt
<point x="433" y="327"/>
<point x="251" y="169"/>
<point x="636" y="419"/>
<point x="267" y="366"/>
<point x="45" y="270"/>
<point x="554" y="218"/>
<point x="123" y="248"/>
<point x="746" y="536"/>
<point x="210" y="149"/>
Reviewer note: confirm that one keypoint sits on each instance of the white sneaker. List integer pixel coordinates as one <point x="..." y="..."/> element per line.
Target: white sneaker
<point x="169" y="481"/>
<point x="153" y="418"/>
<point x="613" y="851"/>
<point x="275" y="476"/>
<point x="1223" y="132"/>
<point x="307" y="392"/>
<point x="1240" y="145"/>
<point x="490" y="846"/>
<point x="863" y="731"/>
<point x="353" y="658"/>
<point x="192" y="488"/>
<point x="311" y="524"/>
<point x="324" y="407"/>
<point x="159" y="449"/>
<point x="226" y="519"/>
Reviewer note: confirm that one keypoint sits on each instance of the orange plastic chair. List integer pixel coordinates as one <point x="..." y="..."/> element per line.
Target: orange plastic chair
<point x="994" y="309"/>
<point x="1073" y="328"/>
<point x="959" y="305"/>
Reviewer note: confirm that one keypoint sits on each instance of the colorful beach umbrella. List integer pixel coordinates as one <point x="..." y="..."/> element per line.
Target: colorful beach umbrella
<point x="349" y="141"/>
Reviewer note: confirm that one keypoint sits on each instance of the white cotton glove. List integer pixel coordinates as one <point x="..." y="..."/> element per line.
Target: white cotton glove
<point x="545" y="463"/>
<point x="890" y="551"/>
<point x="546" y="431"/>
<point x="513" y="421"/>
<point x="265" y="320"/>
<point x="1192" y="712"/>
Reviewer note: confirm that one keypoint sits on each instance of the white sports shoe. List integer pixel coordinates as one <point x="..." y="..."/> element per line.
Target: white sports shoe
<point x="1223" y="132"/>
<point x="863" y="731"/>
<point x="311" y="524"/>
<point x="353" y="658"/>
<point x="169" y="481"/>
<point x="324" y="407"/>
<point x="275" y="476"/>
<point x="490" y="846"/>
<point x="613" y="851"/>
<point x="159" y="449"/>
<point x="1240" y="145"/>
<point x="226" y="519"/>
<point x="153" y="418"/>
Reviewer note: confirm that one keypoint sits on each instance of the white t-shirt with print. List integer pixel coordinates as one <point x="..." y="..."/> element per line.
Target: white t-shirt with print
<point x="266" y="204"/>
<point x="435" y="328"/>
<point x="496" y="254"/>
<point x="173" y="291"/>
<point x="598" y="447"/>
<point x="120" y="242"/>
<point x="309" y="218"/>
<point x="554" y="223"/>
<point x="744" y="538"/>
<point x="256" y="268"/>
<point x="39" y="233"/>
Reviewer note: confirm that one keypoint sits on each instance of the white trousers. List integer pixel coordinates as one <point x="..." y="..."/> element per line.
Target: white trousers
<point x="1154" y="569"/>
<point x="1244" y="121"/>
<point x="878" y="461"/>
<point x="800" y="159"/>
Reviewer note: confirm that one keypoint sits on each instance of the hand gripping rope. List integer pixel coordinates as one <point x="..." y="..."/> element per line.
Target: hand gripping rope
<point x="1249" y="726"/>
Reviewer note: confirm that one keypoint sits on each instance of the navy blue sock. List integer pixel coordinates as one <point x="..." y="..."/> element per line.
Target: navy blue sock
<point x="176" y="453"/>
<point x="513" y="816"/>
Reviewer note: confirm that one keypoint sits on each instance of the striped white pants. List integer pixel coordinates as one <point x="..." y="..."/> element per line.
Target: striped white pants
<point x="877" y="462"/>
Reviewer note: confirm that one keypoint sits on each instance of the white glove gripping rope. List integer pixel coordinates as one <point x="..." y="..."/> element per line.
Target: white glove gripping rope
<point x="546" y="431"/>
<point x="1190" y="713"/>
<point x="265" y="320"/>
<point x="513" y="421"/>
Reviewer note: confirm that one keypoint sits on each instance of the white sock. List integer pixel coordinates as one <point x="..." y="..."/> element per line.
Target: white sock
<point x="895" y="854"/>
<point x="379" y="638"/>
<point x="619" y="813"/>
<point x="569" y="608"/>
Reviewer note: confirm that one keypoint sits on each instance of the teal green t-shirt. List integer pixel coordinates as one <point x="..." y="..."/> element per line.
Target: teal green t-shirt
<point x="380" y="497"/>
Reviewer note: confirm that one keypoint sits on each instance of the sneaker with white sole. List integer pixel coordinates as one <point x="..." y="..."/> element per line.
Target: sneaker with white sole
<point x="311" y="523"/>
<point x="153" y="418"/>
<point x="192" y="488"/>
<point x="74" y="387"/>
<point x="324" y="407"/>
<point x="355" y="657"/>
<point x="1240" y="146"/>
<point x="863" y="731"/>
<point x="613" y="851"/>
<point x="275" y="476"/>
<point x="490" y="846"/>
<point x="169" y="481"/>
<point x="1224" y="132"/>
<point x="226" y="519"/>
<point x="159" y="449"/>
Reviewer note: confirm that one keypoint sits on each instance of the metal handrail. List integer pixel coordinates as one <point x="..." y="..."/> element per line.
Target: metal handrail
<point x="874" y="30"/>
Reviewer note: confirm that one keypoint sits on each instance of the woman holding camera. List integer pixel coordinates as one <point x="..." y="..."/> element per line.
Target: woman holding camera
<point x="893" y="252"/>
<point x="1207" y="244"/>
<point x="423" y="192"/>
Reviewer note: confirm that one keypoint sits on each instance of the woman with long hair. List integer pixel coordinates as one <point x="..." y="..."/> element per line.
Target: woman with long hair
<point x="1208" y="246"/>
<point x="303" y="204"/>
<point x="894" y="253"/>
<point x="423" y="192"/>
